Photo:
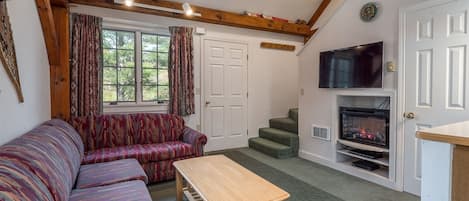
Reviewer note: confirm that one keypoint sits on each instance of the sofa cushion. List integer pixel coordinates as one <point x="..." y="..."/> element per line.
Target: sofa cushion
<point x="144" y="153"/>
<point x="17" y="182"/>
<point x="50" y="155"/>
<point x="105" y="131"/>
<point x="126" y="191"/>
<point x="109" y="131"/>
<point x="157" y="128"/>
<point x="102" y="174"/>
<point x="68" y="130"/>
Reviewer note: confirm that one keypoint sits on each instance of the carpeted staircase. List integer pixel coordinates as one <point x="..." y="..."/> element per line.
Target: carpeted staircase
<point x="281" y="139"/>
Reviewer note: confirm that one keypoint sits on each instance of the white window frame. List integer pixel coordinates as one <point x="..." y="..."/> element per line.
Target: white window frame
<point x="139" y="105"/>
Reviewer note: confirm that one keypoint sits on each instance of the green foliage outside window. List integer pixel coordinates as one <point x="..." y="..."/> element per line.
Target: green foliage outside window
<point x="120" y="68"/>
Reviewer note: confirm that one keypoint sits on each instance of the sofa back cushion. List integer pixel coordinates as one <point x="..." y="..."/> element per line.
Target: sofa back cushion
<point x="104" y="131"/>
<point x="69" y="131"/>
<point x="109" y="131"/>
<point x="157" y="128"/>
<point x="50" y="155"/>
<point x="17" y="182"/>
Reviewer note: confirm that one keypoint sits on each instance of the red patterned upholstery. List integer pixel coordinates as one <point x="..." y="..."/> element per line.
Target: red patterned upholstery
<point x="144" y="153"/>
<point x="155" y="140"/>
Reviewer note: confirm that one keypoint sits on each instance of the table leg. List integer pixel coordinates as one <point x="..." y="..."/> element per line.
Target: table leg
<point x="179" y="181"/>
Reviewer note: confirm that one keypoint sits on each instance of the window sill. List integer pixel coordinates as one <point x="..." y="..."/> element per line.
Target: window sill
<point x="135" y="108"/>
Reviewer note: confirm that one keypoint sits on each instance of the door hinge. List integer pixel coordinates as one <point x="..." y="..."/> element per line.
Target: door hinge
<point x="247" y="56"/>
<point x="247" y="94"/>
<point x="247" y="132"/>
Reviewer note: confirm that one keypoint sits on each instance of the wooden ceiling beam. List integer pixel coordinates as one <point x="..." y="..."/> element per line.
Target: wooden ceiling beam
<point x="59" y="3"/>
<point x="208" y="15"/>
<point x="317" y="14"/>
<point x="49" y="30"/>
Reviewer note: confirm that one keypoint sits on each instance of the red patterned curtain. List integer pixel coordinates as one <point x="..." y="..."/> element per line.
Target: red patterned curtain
<point x="86" y="65"/>
<point x="181" y="72"/>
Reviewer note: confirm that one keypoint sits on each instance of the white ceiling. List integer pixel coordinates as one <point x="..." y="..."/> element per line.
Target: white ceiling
<point x="289" y="9"/>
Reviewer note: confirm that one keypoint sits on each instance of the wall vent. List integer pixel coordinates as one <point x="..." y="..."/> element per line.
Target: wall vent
<point x="322" y="133"/>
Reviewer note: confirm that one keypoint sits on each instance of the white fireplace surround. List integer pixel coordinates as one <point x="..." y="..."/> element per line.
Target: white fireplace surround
<point x="370" y="98"/>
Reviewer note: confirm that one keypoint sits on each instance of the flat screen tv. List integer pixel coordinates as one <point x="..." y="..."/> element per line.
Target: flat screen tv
<point x="354" y="67"/>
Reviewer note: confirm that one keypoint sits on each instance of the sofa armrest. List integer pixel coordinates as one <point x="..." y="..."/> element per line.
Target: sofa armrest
<point x="196" y="139"/>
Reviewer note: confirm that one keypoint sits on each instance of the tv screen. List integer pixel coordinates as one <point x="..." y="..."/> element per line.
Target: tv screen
<point x="354" y="67"/>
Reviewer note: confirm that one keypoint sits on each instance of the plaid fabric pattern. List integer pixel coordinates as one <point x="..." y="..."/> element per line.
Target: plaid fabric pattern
<point x="196" y="139"/>
<point x="126" y="191"/>
<point x="17" y="182"/>
<point x="144" y="153"/>
<point x="50" y="155"/>
<point x="68" y="130"/>
<point x="102" y="174"/>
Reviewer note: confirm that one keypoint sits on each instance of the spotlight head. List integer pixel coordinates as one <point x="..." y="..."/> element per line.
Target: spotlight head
<point x="187" y="9"/>
<point x="129" y="3"/>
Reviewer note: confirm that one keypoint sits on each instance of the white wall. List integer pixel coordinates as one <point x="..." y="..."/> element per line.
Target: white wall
<point x="345" y="29"/>
<point x="272" y="75"/>
<point x="16" y="118"/>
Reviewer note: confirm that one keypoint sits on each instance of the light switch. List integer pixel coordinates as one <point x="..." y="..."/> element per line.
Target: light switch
<point x="302" y="91"/>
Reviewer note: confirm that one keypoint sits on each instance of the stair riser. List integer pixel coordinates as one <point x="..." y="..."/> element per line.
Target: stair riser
<point x="286" y="127"/>
<point x="288" y="141"/>
<point x="272" y="152"/>
<point x="293" y="114"/>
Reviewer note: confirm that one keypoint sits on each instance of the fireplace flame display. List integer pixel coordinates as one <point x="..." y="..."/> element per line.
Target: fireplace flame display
<point x="365" y="126"/>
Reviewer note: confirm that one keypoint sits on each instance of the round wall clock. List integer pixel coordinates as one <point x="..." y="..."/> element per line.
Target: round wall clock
<point x="369" y="12"/>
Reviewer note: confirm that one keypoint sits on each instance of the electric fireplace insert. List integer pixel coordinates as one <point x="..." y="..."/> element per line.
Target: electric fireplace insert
<point x="365" y="126"/>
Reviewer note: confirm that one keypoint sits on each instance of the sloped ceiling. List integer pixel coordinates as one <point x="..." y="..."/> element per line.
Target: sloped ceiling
<point x="288" y="9"/>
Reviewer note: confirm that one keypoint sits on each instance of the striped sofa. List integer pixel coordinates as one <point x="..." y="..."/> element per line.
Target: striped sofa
<point x="155" y="140"/>
<point x="45" y="165"/>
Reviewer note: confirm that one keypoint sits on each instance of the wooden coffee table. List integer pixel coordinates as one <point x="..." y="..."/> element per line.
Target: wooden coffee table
<point x="217" y="178"/>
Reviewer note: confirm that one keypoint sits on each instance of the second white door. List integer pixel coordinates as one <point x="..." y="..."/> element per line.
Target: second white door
<point x="225" y="87"/>
<point x="436" y="85"/>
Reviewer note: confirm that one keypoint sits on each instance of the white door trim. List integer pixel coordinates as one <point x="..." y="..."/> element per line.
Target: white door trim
<point x="202" y="77"/>
<point x="401" y="84"/>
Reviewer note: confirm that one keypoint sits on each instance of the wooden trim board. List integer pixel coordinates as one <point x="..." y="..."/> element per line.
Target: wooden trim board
<point x="278" y="46"/>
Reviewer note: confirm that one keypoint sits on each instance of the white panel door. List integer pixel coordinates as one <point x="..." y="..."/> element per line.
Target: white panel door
<point x="225" y="86"/>
<point x="436" y="73"/>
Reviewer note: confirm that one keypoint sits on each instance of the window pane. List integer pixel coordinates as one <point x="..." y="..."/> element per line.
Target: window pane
<point x="150" y="93"/>
<point x="127" y="93"/>
<point x="149" y="59"/>
<point x="149" y="77"/>
<point x="110" y="76"/>
<point x="109" y="93"/>
<point x="149" y="42"/>
<point x="109" y="39"/>
<point x="125" y="40"/>
<point x="163" y="44"/>
<point x="162" y="60"/>
<point x="163" y="93"/>
<point x="109" y="57"/>
<point x="126" y="58"/>
<point x="163" y="77"/>
<point x="126" y="76"/>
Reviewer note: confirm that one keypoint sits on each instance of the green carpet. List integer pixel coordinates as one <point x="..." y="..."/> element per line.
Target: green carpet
<point x="299" y="190"/>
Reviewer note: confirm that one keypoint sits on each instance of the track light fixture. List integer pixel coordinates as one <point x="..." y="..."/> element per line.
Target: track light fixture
<point x="187" y="9"/>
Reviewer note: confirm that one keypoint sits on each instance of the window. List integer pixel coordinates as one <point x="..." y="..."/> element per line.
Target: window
<point x="155" y="67"/>
<point x="135" y="68"/>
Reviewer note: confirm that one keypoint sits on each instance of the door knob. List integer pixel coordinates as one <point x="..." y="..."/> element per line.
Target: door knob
<point x="409" y="115"/>
<point x="207" y="103"/>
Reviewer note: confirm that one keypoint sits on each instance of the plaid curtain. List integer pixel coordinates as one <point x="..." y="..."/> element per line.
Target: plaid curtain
<point x="181" y="72"/>
<point x="86" y="65"/>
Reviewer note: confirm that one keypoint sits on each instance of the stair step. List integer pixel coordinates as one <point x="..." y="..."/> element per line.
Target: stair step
<point x="286" y="124"/>
<point x="282" y="137"/>
<point x="271" y="148"/>
<point x="293" y="114"/>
